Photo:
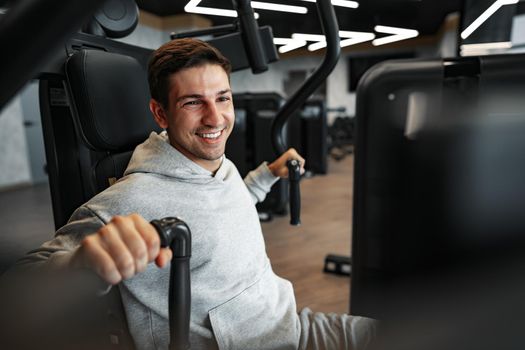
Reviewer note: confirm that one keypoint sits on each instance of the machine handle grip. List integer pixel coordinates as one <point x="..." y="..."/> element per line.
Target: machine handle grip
<point x="294" y="176"/>
<point x="174" y="233"/>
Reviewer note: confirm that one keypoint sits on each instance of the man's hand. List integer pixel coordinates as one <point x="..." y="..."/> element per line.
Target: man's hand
<point x="279" y="168"/>
<point x="121" y="249"/>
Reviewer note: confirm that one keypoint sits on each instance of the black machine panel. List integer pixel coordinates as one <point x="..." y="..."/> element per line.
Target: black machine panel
<point x="439" y="198"/>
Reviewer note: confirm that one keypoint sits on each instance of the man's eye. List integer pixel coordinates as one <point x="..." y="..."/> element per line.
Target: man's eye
<point x="192" y="103"/>
<point x="223" y="98"/>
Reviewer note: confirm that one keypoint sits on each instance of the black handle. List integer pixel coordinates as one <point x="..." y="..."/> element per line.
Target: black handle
<point x="294" y="176"/>
<point x="174" y="233"/>
<point x="250" y="36"/>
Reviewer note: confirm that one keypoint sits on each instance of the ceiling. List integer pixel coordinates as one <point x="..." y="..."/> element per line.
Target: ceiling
<point x="426" y="16"/>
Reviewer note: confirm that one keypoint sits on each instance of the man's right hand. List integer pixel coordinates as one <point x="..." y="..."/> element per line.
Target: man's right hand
<point x="121" y="249"/>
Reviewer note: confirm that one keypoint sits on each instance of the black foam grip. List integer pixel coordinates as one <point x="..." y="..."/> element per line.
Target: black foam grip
<point x="250" y="36"/>
<point x="294" y="176"/>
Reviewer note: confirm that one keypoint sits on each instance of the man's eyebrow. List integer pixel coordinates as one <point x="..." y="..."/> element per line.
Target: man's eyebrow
<point x="188" y="96"/>
<point x="184" y="97"/>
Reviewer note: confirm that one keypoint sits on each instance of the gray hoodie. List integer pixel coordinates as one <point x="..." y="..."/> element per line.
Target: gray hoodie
<point x="237" y="300"/>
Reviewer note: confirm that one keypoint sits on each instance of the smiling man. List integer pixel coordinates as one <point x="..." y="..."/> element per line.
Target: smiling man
<point x="199" y="116"/>
<point x="237" y="300"/>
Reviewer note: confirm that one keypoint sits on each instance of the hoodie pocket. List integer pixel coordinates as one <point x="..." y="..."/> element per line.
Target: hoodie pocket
<point x="263" y="316"/>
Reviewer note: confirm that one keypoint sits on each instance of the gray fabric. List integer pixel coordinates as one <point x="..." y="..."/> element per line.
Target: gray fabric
<point x="332" y="331"/>
<point x="237" y="300"/>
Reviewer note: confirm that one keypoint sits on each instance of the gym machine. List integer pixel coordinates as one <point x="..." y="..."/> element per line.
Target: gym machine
<point x="45" y="57"/>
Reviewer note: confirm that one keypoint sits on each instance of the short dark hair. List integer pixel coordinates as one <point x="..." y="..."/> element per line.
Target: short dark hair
<point x="176" y="55"/>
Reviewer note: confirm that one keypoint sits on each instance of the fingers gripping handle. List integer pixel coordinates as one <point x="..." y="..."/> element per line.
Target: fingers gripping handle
<point x="174" y="233"/>
<point x="294" y="176"/>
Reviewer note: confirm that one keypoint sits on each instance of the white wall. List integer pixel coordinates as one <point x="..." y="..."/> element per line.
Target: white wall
<point x="14" y="164"/>
<point x="518" y="34"/>
<point x="147" y="37"/>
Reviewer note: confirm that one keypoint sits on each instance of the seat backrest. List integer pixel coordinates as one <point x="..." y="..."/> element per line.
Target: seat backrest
<point x="109" y="95"/>
<point x="91" y="136"/>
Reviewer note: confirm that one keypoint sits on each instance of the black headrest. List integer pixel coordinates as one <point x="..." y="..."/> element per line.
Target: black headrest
<point x="110" y="96"/>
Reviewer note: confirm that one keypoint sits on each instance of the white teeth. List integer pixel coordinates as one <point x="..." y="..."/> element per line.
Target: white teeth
<point x="211" y="136"/>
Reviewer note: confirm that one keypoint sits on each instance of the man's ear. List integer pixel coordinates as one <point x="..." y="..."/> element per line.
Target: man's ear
<point x="158" y="113"/>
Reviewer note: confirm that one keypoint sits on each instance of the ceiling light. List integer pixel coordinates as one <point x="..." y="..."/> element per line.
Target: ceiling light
<point x="485" y="15"/>
<point x="192" y="7"/>
<point x="485" y="48"/>
<point x="351" y="38"/>
<point x="356" y="38"/>
<point x="288" y="44"/>
<point x="278" y="7"/>
<point x="342" y="3"/>
<point x="345" y="3"/>
<point x="308" y="37"/>
<point x="398" y="34"/>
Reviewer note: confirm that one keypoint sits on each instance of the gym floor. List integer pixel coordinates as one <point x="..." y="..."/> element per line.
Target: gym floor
<point x="297" y="253"/>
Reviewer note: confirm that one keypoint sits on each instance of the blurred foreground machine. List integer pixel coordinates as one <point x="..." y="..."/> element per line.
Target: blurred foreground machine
<point x="439" y="202"/>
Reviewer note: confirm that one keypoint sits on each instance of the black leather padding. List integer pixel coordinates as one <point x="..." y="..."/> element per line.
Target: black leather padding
<point x="109" y="169"/>
<point x="110" y="97"/>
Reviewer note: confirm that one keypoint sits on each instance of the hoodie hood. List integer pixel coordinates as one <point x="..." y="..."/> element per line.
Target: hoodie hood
<point x="157" y="156"/>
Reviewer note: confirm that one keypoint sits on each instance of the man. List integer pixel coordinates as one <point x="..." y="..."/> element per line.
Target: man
<point x="237" y="300"/>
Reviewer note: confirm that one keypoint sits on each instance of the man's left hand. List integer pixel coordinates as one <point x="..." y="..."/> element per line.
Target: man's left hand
<point x="279" y="168"/>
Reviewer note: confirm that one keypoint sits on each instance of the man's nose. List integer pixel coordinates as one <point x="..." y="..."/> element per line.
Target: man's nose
<point x="213" y="116"/>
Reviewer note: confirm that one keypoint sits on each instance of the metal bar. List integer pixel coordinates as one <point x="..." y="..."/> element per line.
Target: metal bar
<point x="331" y="31"/>
<point x="224" y="29"/>
<point x="250" y="36"/>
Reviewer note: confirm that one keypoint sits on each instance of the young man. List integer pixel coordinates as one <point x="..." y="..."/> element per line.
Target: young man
<point x="237" y="300"/>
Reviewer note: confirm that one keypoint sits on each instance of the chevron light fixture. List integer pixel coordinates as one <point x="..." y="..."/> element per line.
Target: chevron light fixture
<point x="486" y="15"/>
<point x="398" y="34"/>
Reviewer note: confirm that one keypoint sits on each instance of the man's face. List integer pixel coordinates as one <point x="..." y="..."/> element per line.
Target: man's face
<point x="200" y="115"/>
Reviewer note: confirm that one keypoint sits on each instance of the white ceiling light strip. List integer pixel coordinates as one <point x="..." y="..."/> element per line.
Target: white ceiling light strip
<point x="278" y="7"/>
<point x="318" y="38"/>
<point x="485" y="48"/>
<point x="289" y="44"/>
<point x="350" y="38"/>
<point x="398" y="34"/>
<point x="192" y="7"/>
<point x="486" y="15"/>
<point x="342" y="3"/>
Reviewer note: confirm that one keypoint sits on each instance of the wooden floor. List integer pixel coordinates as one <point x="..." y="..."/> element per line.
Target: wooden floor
<point x="297" y="253"/>
<point x="27" y="222"/>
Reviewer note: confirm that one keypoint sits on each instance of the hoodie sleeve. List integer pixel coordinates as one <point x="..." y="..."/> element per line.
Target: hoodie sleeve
<point x="259" y="182"/>
<point x="56" y="253"/>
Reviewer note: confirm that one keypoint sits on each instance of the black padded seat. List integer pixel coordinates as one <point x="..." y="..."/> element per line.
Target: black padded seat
<point x="109" y="99"/>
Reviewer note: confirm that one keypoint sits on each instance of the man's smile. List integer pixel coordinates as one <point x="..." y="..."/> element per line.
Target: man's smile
<point x="210" y="136"/>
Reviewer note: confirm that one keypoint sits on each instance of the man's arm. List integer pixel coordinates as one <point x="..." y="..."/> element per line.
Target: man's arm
<point x="115" y="250"/>
<point x="260" y="181"/>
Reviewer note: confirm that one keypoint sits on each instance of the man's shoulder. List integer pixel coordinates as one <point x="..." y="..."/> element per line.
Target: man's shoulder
<point x="128" y="192"/>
